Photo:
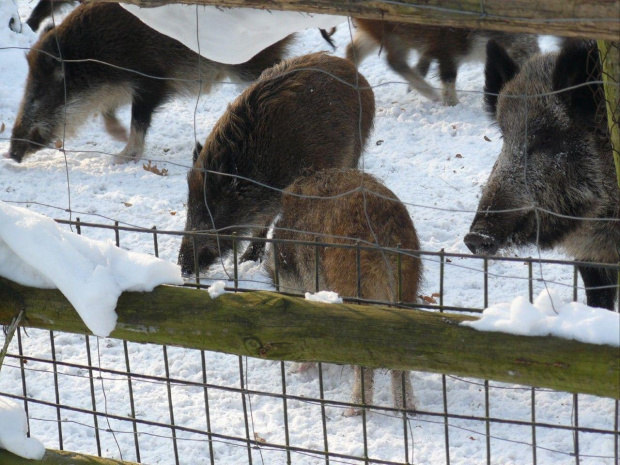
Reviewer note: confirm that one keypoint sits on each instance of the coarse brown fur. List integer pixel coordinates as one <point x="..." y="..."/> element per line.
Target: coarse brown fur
<point x="303" y="114"/>
<point x="355" y="207"/>
<point x="119" y="60"/>
<point x="449" y="46"/>
<point x="556" y="156"/>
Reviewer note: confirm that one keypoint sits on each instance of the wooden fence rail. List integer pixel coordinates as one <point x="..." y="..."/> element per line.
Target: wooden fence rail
<point x="278" y="327"/>
<point x="576" y="18"/>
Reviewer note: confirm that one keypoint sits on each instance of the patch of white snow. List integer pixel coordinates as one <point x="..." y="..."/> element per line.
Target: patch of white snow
<point x="550" y="314"/>
<point x="35" y="251"/>
<point x="13" y="429"/>
<point x="326" y="297"/>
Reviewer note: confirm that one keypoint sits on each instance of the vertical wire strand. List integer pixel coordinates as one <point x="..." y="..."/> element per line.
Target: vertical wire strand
<point x="155" y="244"/>
<point x="56" y="390"/>
<point x="245" y="411"/>
<point x="173" y="429"/>
<point x="207" y="409"/>
<point x="530" y="284"/>
<point x="488" y="423"/>
<point x="287" y="441"/>
<point x="92" y="387"/>
<point x="576" y="427"/>
<point x="22" y="369"/>
<point x="136" y="439"/>
<point x="323" y="414"/>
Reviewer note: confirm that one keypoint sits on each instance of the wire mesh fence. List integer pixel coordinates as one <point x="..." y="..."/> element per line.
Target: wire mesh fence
<point x="136" y="402"/>
<point x="169" y="405"/>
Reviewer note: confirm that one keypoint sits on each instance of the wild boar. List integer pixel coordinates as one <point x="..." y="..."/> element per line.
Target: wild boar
<point x="108" y="58"/>
<point x="307" y="113"/>
<point x="43" y="10"/>
<point x="554" y="182"/>
<point x="449" y="46"/>
<point x="345" y="216"/>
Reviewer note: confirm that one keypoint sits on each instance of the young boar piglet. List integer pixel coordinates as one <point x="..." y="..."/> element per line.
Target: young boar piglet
<point x="303" y="114"/>
<point x="554" y="182"/>
<point x="372" y="216"/>
<point x="99" y="58"/>
<point x="449" y="46"/>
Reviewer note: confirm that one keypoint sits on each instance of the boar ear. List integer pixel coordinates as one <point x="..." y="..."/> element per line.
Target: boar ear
<point x="498" y="70"/>
<point x="196" y="152"/>
<point x="578" y="63"/>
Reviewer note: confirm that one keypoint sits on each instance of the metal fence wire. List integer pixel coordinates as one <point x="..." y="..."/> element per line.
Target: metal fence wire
<point x="172" y="400"/>
<point x="161" y="404"/>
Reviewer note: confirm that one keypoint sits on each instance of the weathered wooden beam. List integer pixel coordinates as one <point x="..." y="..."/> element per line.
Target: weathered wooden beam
<point x="59" y="457"/>
<point x="574" y="18"/>
<point x="277" y="327"/>
<point x="610" y="61"/>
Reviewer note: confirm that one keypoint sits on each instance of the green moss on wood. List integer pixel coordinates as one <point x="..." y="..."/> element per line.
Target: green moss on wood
<point x="277" y="327"/>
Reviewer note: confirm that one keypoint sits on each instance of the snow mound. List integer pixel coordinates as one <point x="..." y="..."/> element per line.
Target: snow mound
<point x="327" y="297"/>
<point x="217" y="289"/>
<point x="231" y="35"/>
<point x="35" y="252"/>
<point x="13" y="429"/>
<point x="550" y="315"/>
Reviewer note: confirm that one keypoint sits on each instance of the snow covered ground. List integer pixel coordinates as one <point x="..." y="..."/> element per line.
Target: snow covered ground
<point x="434" y="158"/>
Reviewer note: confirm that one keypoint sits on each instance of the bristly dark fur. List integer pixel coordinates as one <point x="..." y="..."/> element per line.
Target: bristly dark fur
<point x="296" y="117"/>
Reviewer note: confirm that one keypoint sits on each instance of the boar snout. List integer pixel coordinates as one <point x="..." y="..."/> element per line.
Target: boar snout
<point x="481" y="244"/>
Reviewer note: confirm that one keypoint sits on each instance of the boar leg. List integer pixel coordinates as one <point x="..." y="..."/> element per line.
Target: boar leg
<point x="424" y="63"/>
<point x="114" y="127"/>
<point x="594" y="279"/>
<point x="356" y="397"/>
<point x="146" y="99"/>
<point x="360" y="48"/>
<point x="447" y="74"/>
<point x="397" y="59"/>
<point x="397" y="390"/>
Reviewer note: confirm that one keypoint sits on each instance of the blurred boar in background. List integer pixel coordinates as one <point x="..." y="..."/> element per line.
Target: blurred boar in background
<point x="449" y="46"/>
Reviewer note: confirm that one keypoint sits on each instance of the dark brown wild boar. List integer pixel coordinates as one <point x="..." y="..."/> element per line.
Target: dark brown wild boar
<point x="375" y="216"/>
<point x="45" y="9"/>
<point x="554" y="182"/>
<point x="304" y="114"/>
<point x="449" y="46"/>
<point x="107" y="54"/>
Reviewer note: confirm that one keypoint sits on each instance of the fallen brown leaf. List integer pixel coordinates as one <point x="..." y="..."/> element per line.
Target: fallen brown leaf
<point x="487" y="139"/>
<point x="2" y="127"/>
<point x="58" y="144"/>
<point x="173" y="213"/>
<point x="379" y="142"/>
<point x="153" y="169"/>
<point x="458" y="155"/>
<point x="428" y="300"/>
<point x="127" y="204"/>
<point x="259" y="439"/>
